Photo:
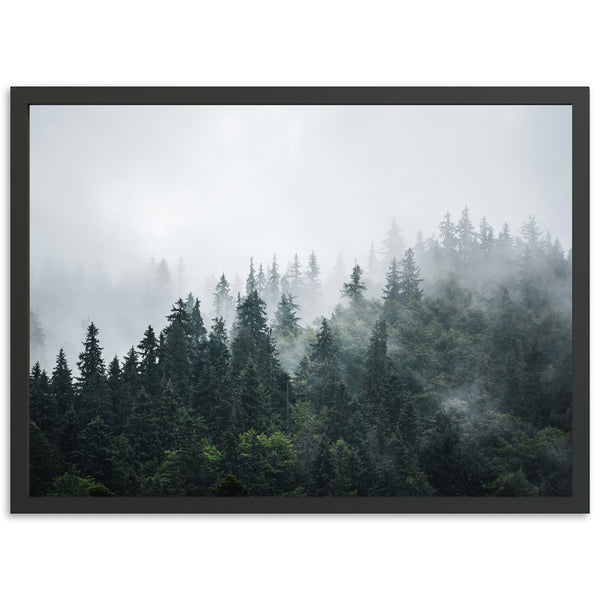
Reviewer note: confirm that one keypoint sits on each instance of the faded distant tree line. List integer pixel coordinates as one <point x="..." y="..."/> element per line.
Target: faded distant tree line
<point x="442" y="369"/>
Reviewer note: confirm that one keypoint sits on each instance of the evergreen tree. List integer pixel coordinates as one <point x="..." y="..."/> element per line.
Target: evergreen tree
<point x="409" y="279"/>
<point x="178" y="348"/>
<point x="261" y="282"/>
<point x="391" y="292"/>
<point x="218" y="390"/>
<point x="273" y="284"/>
<point x="94" y="457"/>
<point x="354" y="289"/>
<point x="62" y="384"/>
<point x="419" y="245"/>
<point x="293" y="278"/>
<point x="393" y="244"/>
<point x="148" y="367"/>
<point x="197" y="329"/>
<point x="189" y="303"/>
<point x="113" y="382"/>
<point x="323" y="348"/>
<point x="312" y="272"/>
<point x="372" y="268"/>
<point x="531" y="233"/>
<point x="504" y="242"/>
<point x="37" y="338"/>
<point x="377" y="363"/>
<point x="251" y="279"/>
<point x="448" y="233"/>
<point x="42" y="408"/>
<point x="486" y="237"/>
<point x="286" y="321"/>
<point x="466" y="235"/>
<point x="92" y="393"/>
<point x="312" y="291"/>
<point x="321" y="472"/>
<point x="223" y="301"/>
<point x="252" y="339"/>
<point x="44" y="463"/>
<point x="130" y="383"/>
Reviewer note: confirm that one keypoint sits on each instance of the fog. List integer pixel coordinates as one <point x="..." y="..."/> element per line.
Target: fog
<point x="115" y="190"/>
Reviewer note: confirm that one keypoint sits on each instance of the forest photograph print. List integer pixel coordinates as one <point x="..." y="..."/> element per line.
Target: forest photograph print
<point x="300" y="301"/>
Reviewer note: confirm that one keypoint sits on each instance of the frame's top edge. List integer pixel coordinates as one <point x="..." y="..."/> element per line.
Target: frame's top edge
<point x="299" y="95"/>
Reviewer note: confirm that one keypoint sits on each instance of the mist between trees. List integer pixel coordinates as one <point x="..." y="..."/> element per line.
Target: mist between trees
<point x="443" y="368"/>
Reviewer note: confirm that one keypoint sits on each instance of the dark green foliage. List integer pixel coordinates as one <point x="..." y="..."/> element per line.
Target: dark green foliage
<point x="42" y="407"/>
<point x="286" y="321"/>
<point x="44" y="461"/>
<point x="230" y="485"/>
<point x="409" y="284"/>
<point x="148" y="367"/>
<point x="61" y="386"/>
<point x="452" y="378"/>
<point x="92" y="398"/>
<point x="354" y="289"/>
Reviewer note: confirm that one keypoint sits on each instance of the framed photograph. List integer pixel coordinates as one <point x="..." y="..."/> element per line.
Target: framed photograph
<point x="300" y="300"/>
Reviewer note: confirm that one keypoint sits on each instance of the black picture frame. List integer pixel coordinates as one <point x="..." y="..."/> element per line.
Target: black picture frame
<point x="21" y="100"/>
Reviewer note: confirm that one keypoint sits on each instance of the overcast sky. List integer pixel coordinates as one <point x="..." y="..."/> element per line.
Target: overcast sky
<point x="111" y="185"/>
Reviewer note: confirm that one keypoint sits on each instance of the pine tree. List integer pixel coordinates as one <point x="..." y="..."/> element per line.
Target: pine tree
<point x="531" y="233"/>
<point x="372" y="265"/>
<point x="178" y="348"/>
<point x="293" y="278"/>
<point x="223" y="301"/>
<point x="466" y="235"/>
<point x="61" y="386"/>
<point x="419" y="245"/>
<point x="251" y="279"/>
<point x="197" y="329"/>
<point x="44" y="463"/>
<point x="313" y="270"/>
<point x="504" y="243"/>
<point x="486" y="237"/>
<point x="115" y="394"/>
<point x="218" y="390"/>
<point x="286" y="321"/>
<point x="189" y="303"/>
<point x="37" y="339"/>
<point x="273" y="284"/>
<point x="393" y="244"/>
<point x="377" y="362"/>
<point x="252" y="339"/>
<point x="261" y="281"/>
<point x="148" y="367"/>
<point x="323" y="347"/>
<point x="391" y="292"/>
<point x="354" y="289"/>
<point x="313" y="287"/>
<point x="92" y="393"/>
<point x="129" y="385"/>
<point x="409" y="279"/>
<point x="448" y="233"/>
<point x="42" y="409"/>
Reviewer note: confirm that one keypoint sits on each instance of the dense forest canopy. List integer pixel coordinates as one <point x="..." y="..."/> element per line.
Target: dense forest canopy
<point x="440" y="368"/>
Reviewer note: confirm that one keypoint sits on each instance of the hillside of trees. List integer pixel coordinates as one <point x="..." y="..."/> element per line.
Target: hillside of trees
<point x="443" y="369"/>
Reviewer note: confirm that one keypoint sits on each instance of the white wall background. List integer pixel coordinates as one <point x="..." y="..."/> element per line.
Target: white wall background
<point x="308" y="43"/>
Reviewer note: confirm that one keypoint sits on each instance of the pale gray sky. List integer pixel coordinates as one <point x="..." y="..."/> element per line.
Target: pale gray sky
<point x="111" y="185"/>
